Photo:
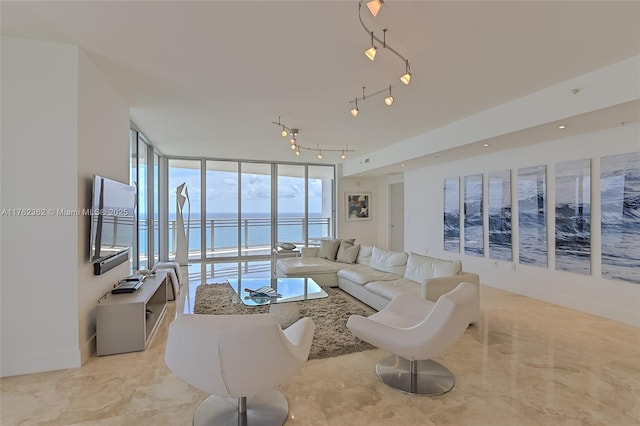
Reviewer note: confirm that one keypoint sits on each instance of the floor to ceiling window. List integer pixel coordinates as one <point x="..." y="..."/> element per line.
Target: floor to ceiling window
<point x="156" y="208"/>
<point x="248" y="208"/>
<point x="222" y="209"/>
<point x="255" y="209"/>
<point x="145" y="177"/>
<point x="234" y="212"/>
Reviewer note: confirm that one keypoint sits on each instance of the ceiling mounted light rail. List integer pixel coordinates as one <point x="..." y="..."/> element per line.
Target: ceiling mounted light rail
<point x="296" y="147"/>
<point x="374" y="6"/>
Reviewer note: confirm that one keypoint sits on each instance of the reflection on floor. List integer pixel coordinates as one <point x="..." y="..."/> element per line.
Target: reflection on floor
<point x="526" y="363"/>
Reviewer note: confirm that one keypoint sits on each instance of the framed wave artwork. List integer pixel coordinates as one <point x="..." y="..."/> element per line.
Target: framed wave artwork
<point x="532" y="215"/>
<point x="620" y="210"/>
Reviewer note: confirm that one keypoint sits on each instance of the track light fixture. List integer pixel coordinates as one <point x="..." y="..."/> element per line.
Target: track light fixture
<point x="355" y="110"/>
<point x="389" y="99"/>
<point x="374" y="6"/>
<point x="406" y="77"/>
<point x="371" y="52"/>
<point x="297" y="148"/>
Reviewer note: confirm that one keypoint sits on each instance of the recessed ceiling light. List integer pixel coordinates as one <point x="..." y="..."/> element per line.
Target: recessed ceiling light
<point x="562" y="126"/>
<point x="401" y="165"/>
<point x="485" y="145"/>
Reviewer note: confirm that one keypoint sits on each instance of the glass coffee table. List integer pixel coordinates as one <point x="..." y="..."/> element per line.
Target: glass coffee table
<point x="291" y="290"/>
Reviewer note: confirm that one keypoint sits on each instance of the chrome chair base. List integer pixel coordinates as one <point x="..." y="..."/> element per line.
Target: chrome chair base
<point x="415" y="377"/>
<point x="267" y="409"/>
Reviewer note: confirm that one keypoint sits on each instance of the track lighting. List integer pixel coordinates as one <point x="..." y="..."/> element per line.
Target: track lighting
<point x="355" y="110"/>
<point x="297" y="148"/>
<point x="406" y="77"/>
<point x="389" y="99"/>
<point x="371" y="52"/>
<point x="284" y="132"/>
<point x="374" y="6"/>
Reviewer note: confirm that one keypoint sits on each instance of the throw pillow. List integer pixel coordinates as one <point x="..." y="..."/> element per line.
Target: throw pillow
<point x="364" y="255"/>
<point x="329" y="249"/>
<point x="388" y="261"/>
<point x="446" y="268"/>
<point x="347" y="252"/>
<point x="420" y="268"/>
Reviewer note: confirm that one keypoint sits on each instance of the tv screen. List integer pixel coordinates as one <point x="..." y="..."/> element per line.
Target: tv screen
<point x="112" y="218"/>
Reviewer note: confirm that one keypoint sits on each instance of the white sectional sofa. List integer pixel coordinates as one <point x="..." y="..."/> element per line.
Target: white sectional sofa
<point x="376" y="275"/>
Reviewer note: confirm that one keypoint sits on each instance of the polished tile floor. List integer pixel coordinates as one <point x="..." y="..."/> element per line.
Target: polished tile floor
<point x="526" y="363"/>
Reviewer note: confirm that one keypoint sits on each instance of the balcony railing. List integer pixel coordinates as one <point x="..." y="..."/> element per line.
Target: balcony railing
<point x="221" y="235"/>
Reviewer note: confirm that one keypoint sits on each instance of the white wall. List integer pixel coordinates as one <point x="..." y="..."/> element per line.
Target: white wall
<point x="39" y="145"/>
<point x="103" y="132"/>
<point x="617" y="300"/>
<point x="376" y="230"/>
<point x="56" y="112"/>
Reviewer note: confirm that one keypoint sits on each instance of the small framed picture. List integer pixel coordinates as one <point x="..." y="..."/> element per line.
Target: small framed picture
<point x="358" y="206"/>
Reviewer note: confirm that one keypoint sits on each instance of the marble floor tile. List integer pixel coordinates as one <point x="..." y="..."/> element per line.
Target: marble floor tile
<point x="526" y="362"/>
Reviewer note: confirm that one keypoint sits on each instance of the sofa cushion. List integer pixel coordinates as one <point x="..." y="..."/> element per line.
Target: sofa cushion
<point x="364" y="255"/>
<point x="388" y="261"/>
<point x="362" y="274"/>
<point x="420" y="268"/>
<point x="347" y="252"/>
<point x="390" y="289"/>
<point x="307" y="265"/>
<point x="329" y="249"/>
<point x="310" y="251"/>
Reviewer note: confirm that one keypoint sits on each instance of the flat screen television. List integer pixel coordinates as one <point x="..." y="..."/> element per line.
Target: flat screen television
<point x="112" y="213"/>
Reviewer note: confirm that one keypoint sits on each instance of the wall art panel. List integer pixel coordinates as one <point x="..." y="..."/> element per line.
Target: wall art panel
<point x="499" y="204"/>
<point x="620" y="210"/>
<point x="473" y="219"/>
<point x="573" y="216"/>
<point x="532" y="215"/>
<point x="452" y="214"/>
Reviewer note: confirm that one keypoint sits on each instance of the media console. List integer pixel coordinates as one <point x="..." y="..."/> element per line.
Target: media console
<point x="126" y="322"/>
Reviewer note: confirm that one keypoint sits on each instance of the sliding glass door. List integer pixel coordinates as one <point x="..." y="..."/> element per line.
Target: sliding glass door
<point x="222" y="209"/>
<point x="238" y="211"/>
<point x="255" y="209"/>
<point x="291" y="207"/>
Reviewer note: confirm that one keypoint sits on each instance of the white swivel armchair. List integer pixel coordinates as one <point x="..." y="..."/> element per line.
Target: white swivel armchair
<point x="238" y="358"/>
<point x="417" y="330"/>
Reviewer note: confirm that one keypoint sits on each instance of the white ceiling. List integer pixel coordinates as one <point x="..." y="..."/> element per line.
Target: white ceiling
<point x="208" y="78"/>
